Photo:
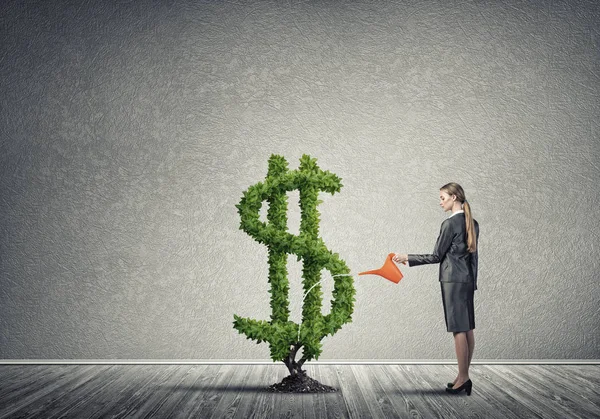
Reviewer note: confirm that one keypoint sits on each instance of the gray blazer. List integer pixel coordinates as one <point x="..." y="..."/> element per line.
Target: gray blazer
<point x="456" y="263"/>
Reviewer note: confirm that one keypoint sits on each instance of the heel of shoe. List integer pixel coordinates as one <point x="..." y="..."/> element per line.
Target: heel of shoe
<point x="468" y="389"/>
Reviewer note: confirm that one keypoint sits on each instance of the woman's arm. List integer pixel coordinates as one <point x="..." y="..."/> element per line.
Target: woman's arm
<point x="442" y="245"/>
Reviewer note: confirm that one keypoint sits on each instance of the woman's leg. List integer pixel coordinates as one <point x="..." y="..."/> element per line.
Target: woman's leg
<point x="461" y="346"/>
<point x="471" y="342"/>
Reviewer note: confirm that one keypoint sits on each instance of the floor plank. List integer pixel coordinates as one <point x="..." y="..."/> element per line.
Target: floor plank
<point x="456" y="405"/>
<point x="415" y="387"/>
<point x="113" y="378"/>
<point x="164" y="385"/>
<point x="177" y="393"/>
<point x="135" y="384"/>
<point x="255" y="392"/>
<point x="376" y="400"/>
<point x="194" y="397"/>
<point x="74" y="394"/>
<point x="557" y="399"/>
<point x="355" y="401"/>
<point x="401" y="406"/>
<point x="18" y="388"/>
<point x="314" y="405"/>
<point x="233" y="394"/>
<point x="266" y="401"/>
<point x="288" y="404"/>
<point x="41" y="393"/>
<point x="208" y="394"/>
<point x="484" y="392"/>
<point x="334" y="401"/>
<point x="240" y="391"/>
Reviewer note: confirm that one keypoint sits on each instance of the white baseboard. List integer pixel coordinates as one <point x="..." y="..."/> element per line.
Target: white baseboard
<point x="271" y="362"/>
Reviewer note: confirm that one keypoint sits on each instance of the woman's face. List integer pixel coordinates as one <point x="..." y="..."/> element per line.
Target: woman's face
<point x="446" y="201"/>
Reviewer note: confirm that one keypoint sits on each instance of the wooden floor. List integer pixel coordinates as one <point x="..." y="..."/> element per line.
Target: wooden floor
<point x="238" y="391"/>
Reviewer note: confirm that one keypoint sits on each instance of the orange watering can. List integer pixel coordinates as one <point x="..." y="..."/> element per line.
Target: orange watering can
<point x="389" y="270"/>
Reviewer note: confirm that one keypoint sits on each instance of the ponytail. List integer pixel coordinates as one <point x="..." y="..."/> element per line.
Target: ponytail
<point x="471" y="237"/>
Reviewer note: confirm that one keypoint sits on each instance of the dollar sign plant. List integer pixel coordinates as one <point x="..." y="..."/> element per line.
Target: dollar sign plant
<point x="285" y="337"/>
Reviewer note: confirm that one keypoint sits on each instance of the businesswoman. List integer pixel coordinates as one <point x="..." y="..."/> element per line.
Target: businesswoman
<point x="456" y="252"/>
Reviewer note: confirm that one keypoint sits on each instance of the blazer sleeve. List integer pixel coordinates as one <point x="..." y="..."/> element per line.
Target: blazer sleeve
<point x="474" y="256"/>
<point x="442" y="245"/>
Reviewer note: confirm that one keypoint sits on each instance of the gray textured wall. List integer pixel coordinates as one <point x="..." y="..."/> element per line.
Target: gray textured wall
<point x="130" y="131"/>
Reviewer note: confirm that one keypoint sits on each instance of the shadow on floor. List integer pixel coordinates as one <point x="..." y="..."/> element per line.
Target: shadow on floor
<point x="263" y="389"/>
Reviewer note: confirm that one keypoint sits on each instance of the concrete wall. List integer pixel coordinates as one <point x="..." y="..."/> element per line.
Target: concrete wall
<point x="129" y="132"/>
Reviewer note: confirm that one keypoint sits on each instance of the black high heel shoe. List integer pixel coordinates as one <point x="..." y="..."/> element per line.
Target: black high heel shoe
<point x="450" y="385"/>
<point x="467" y="386"/>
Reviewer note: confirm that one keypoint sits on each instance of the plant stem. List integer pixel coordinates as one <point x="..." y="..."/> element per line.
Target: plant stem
<point x="294" y="367"/>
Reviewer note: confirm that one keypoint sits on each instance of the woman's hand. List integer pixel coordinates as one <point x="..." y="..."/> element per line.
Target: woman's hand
<point x="400" y="258"/>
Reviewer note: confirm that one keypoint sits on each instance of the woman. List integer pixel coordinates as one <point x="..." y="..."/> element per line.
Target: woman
<point x="456" y="252"/>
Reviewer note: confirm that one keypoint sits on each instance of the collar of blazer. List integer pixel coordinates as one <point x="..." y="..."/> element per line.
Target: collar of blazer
<point x="457" y="212"/>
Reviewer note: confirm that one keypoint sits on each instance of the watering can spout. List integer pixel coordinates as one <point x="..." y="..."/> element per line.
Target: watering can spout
<point x="389" y="270"/>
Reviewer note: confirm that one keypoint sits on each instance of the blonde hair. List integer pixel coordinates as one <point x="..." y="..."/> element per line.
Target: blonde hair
<point x="455" y="189"/>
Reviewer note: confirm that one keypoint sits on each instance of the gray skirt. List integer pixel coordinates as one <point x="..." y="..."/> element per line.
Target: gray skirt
<point x="459" y="311"/>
